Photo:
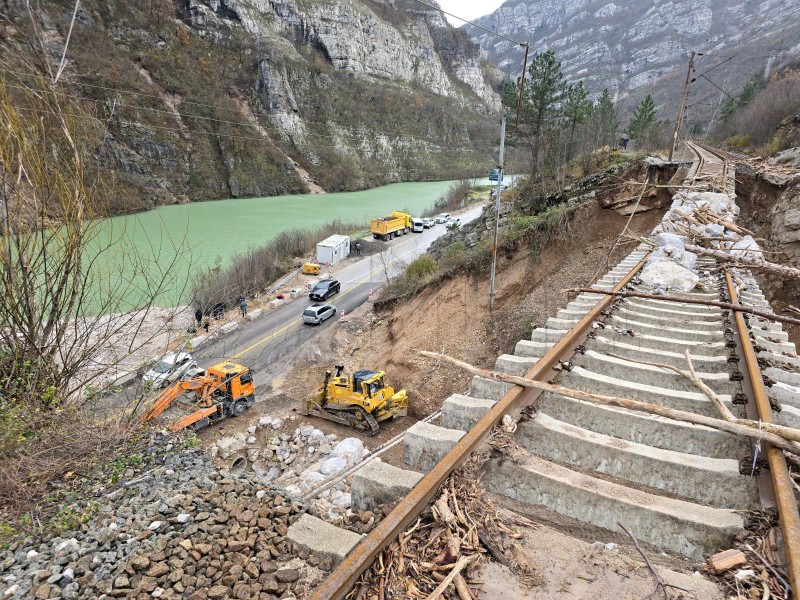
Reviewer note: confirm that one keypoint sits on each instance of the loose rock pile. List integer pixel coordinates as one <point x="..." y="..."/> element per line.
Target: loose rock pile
<point x="181" y="530"/>
<point x="299" y="462"/>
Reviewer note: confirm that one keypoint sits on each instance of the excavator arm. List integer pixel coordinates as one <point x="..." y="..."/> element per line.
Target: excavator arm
<point x="169" y="395"/>
<point x="164" y="401"/>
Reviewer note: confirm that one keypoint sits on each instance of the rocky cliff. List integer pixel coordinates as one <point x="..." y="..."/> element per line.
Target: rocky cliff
<point x="635" y="47"/>
<point x="223" y="98"/>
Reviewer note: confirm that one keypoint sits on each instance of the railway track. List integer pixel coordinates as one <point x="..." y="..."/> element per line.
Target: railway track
<point x="681" y="487"/>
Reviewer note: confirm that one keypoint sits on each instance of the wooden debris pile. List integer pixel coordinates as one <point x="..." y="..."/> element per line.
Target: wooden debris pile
<point x="439" y="556"/>
<point x="753" y="568"/>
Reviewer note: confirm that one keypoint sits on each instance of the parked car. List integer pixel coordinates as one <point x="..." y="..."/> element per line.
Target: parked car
<point x="441" y="218"/>
<point x="317" y="313"/>
<point x="325" y="289"/>
<point x="170" y="368"/>
<point x="417" y="225"/>
<point x="452" y="223"/>
<point x="428" y="222"/>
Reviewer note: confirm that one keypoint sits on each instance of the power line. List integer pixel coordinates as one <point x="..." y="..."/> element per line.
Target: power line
<point x="468" y="22"/>
<point x="176" y="113"/>
<point x="421" y="145"/>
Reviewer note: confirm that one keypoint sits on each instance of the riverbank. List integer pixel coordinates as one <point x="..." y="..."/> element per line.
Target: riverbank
<point x="198" y="236"/>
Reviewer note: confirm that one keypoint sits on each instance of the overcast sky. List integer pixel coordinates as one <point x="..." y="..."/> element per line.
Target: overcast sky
<point x="469" y="9"/>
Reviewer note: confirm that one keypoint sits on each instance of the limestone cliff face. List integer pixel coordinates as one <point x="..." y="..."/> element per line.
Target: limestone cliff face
<point x="221" y="98"/>
<point x="635" y="47"/>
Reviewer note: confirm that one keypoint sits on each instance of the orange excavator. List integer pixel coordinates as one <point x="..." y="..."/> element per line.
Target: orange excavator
<point x="224" y="390"/>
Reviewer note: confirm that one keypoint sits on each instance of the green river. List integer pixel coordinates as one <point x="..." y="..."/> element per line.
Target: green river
<point x="188" y="238"/>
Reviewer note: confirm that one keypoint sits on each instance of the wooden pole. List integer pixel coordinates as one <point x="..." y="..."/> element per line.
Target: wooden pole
<point x="749" y="430"/>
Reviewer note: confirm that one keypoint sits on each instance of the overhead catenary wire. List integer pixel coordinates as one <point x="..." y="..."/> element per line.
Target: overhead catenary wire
<point x="177" y="113"/>
<point x="472" y="23"/>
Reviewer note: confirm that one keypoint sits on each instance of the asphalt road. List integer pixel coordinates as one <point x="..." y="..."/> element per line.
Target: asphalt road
<point x="278" y="332"/>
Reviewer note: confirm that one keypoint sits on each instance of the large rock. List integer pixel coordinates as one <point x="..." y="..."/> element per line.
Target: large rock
<point x="231" y="444"/>
<point x="665" y="274"/>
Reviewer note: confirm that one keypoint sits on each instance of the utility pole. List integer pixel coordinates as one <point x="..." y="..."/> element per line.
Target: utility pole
<point x="497" y="208"/>
<point x="682" y="106"/>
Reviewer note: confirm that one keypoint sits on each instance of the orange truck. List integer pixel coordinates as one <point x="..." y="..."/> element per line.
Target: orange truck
<point x="386" y="228"/>
<point x="225" y="390"/>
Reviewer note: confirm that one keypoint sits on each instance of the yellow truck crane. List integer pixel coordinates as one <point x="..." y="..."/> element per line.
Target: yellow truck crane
<point x="386" y="228"/>
<point x="360" y="401"/>
<point x="225" y="390"/>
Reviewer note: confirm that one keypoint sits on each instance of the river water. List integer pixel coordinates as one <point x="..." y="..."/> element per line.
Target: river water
<point x="188" y="238"/>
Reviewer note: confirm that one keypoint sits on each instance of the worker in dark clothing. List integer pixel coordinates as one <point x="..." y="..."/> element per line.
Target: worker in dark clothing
<point x="358" y="248"/>
<point x="198" y="315"/>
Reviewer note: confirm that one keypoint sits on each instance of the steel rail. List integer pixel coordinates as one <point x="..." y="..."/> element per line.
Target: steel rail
<point x="344" y="577"/>
<point x="785" y="501"/>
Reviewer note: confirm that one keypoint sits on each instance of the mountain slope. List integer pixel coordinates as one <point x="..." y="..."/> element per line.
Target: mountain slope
<point x="224" y="98"/>
<point x="635" y="47"/>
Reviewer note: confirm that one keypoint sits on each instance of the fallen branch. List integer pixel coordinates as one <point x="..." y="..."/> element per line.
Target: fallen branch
<point x="659" y="582"/>
<point x="462" y="562"/>
<point x="751" y="263"/>
<point x="689" y="300"/>
<point x="691" y="375"/>
<point x="750" y="430"/>
<point x="787" y="433"/>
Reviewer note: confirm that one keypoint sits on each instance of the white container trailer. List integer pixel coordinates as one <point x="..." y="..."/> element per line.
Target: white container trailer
<point x="333" y="250"/>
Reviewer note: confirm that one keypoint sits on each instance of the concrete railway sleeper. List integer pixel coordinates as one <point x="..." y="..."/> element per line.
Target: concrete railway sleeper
<point x="675" y="485"/>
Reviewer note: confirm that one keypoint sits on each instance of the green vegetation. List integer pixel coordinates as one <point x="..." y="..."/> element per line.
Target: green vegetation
<point x="558" y="121"/>
<point x="643" y="119"/>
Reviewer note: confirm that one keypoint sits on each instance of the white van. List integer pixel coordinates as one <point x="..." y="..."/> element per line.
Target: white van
<point x="417" y="225"/>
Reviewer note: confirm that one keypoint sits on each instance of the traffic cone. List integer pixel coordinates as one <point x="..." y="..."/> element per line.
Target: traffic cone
<point x="341" y="317"/>
<point x="370" y="296"/>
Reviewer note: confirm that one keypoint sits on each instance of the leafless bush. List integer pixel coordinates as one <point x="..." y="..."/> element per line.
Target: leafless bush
<point x="257" y="269"/>
<point x="451" y="199"/>
<point x="755" y="124"/>
<point x="69" y="283"/>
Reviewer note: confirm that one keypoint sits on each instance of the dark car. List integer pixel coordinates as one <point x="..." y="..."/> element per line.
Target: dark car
<point x="317" y="313"/>
<point x="325" y="289"/>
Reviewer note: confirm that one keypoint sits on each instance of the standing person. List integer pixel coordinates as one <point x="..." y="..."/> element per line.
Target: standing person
<point x="358" y="248"/>
<point x="243" y="306"/>
<point x="198" y="315"/>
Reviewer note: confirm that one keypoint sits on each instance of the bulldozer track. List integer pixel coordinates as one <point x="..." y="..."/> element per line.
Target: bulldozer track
<point x="680" y="487"/>
<point x="352" y="420"/>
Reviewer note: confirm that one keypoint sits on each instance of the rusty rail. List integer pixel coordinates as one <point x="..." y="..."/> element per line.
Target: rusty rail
<point x="785" y="501"/>
<point x="341" y="580"/>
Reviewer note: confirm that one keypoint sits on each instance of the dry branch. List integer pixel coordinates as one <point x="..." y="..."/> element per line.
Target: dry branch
<point x="788" y="433"/>
<point x="741" y="427"/>
<point x="750" y="263"/>
<point x="462" y="562"/>
<point x="689" y="300"/>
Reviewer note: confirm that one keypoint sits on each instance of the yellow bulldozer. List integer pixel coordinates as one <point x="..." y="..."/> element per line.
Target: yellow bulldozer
<point x="360" y="401"/>
<point x="225" y="390"/>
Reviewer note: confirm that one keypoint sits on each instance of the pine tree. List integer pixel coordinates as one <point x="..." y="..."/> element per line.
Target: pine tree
<point x="577" y="109"/>
<point x="643" y="119"/>
<point x="605" y="115"/>
<point x="544" y="92"/>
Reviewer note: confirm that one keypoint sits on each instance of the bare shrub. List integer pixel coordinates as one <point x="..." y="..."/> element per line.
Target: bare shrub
<point x="755" y="124"/>
<point x="70" y="282"/>
<point x="451" y="199"/>
<point x="257" y="269"/>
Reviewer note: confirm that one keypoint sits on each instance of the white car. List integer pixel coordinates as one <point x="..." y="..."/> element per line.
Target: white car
<point x="170" y="368"/>
<point x="428" y="222"/>
<point x="452" y="223"/>
<point x="441" y="218"/>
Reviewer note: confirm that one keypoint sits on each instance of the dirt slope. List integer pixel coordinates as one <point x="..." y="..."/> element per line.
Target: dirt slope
<point x="452" y="316"/>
